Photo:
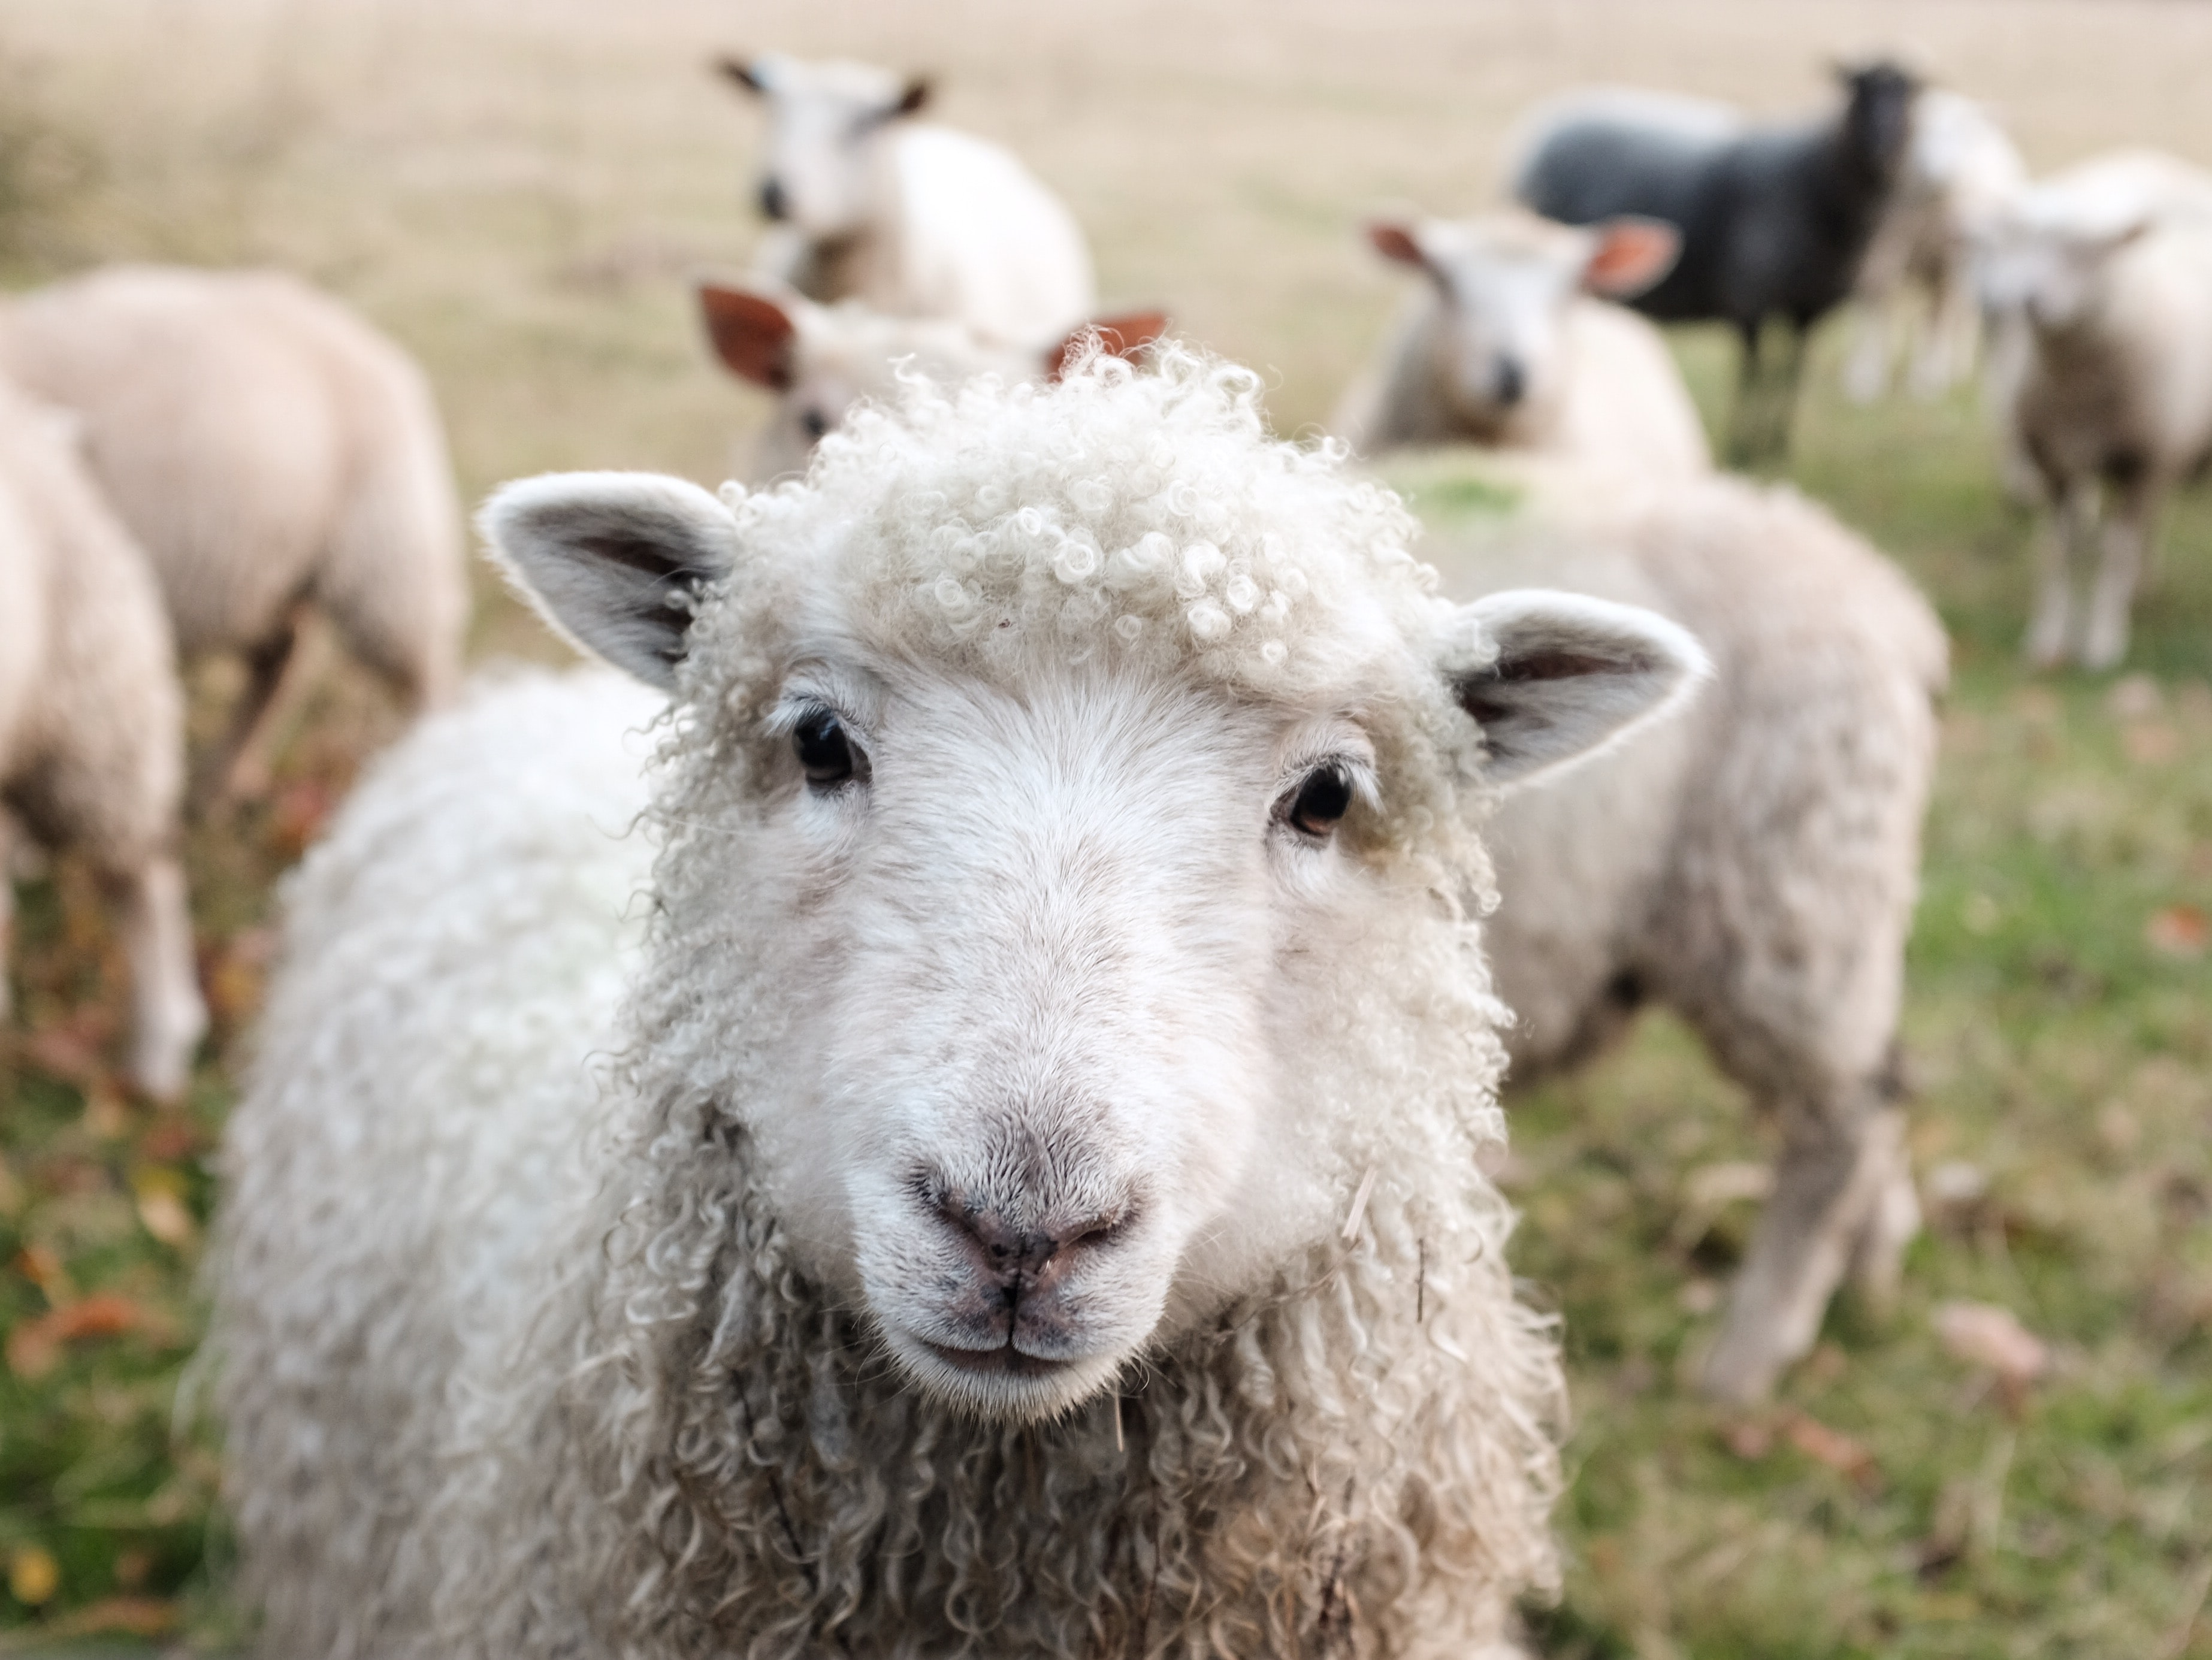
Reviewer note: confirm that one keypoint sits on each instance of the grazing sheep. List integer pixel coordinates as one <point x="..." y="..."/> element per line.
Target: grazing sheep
<point x="1506" y="346"/>
<point x="1752" y="866"/>
<point x="1774" y="219"/>
<point x="1916" y="285"/>
<point x="993" y="1169"/>
<point x="92" y="724"/>
<point x="913" y="219"/>
<point x="820" y="361"/>
<point x="2104" y="276"/>
<point x="268" y="450"/>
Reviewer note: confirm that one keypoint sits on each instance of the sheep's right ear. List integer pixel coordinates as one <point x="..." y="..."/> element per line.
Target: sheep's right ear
<point x="1398" y="242"/>
<point x="748" y="75"/>
<point x="755" y="338"/>
<point x="616" y="562"/>
<point x="1569" y="676"/>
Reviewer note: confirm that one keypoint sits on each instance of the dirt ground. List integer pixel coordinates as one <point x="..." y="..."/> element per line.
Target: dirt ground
<point x="519" y="190"/>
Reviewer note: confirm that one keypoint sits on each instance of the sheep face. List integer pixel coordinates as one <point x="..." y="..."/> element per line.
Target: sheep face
<point x="1011" y="885"/>
<point x="825" y="122"/>
<point x="1503" y="285"/>
<point x="2052" y="273"/>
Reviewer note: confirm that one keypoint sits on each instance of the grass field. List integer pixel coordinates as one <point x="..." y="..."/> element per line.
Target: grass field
<point x="518" y="192"/>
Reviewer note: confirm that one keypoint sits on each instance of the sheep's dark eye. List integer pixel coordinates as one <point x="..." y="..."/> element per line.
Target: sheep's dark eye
<point x="814" y="422"/>
<point x="824" y="755"/>
<point x="1321" y="801"/>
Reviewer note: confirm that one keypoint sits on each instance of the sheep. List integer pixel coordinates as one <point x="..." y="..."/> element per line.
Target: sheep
<point x="1029" y="1202"/>
<point x="822" y="360"/>
<point x="268" y="450"/>
<point x="91" y="724"/>
<point x="1504" y="345"/>
<point x="1752" y="865"/>
<point x="2103" y="276"/>
<point x="1959" y="172"/>
<point x="914" y="219"/>
<point x="1774" y="219"/>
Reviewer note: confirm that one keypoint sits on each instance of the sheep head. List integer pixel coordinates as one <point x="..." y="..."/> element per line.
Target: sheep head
<point x="1071" y="832"/>
<point x="824" y="121"/>
<point x="1503" y="285"/>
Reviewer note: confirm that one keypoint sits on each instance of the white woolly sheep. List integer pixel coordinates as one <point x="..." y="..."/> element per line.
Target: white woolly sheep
<point x="1752" y="865"/>
<point x="92" y="724"/>
<point x="1506" y="346"/>
<point x="268" y="450"/>
<point x="2105" y="273"/>
<point x="1914" y="291"/>
<point x="820" y="361"/>
<point x="911" y="218"/>
<point x="1029" y="1204"/>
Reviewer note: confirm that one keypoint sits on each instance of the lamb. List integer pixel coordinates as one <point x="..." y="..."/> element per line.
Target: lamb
<point x="1027" y="1201"/>
<point x="2104" y="276"/>
<point x="1774" y="219"/>
<point x="1916" y="284"/>
<point x="92" y="724"/>
<point x="1506" y="346"/>
<point x="1752" y="866"/>
<point x="820" y="361"/>
<point x="914" y="219"/>
<point x="268" y="450"/>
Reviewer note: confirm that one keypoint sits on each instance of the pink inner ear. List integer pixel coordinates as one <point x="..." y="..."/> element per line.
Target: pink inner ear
<point x="1124" y="336"/>
<point x="1396" y="242"/>
<point x="1631" y="254"/>
<point x="751" y="335"/>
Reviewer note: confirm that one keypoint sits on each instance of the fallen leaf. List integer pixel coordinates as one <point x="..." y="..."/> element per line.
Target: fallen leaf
<point x="2151" y="744"/>
<point x="2179" y="931"/>
<point x="68" y="1055"/>
<point x="34" y="1347"/>
<point x="1749" y="1438"/>
<point x="298" y="814"/>
<point x="133" y="1616"/>
<point x="1841" y="1453"/>
<point x="34" y="1576"/>
<point x="172" y="1136"/>
<point x="1984" y="1335"/>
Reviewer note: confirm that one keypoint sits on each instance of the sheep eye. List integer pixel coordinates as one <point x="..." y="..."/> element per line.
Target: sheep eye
<point x="815" y="423"/>
<point x="824" y="754"/>
<point x="1321" y="801"/>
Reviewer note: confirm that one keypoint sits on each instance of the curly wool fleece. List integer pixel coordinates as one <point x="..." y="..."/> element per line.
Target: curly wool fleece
<point x="688" y="1445"/>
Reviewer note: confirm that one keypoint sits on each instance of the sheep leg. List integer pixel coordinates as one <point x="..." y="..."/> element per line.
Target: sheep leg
<point x="1947" y="350"/>
<point x="2071" y="525"/>
<point x="1877" y="1268"/>
<point x="1743" y="419"/>
<point x="239" y="768"/>
<point x="1831" y="1177"/>
<point x="167" y="1017"/>
<point x="2127" y="534"/>
<point x="1866" y="371"/>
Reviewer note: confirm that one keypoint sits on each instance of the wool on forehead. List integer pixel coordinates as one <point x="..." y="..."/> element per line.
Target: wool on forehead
<point x="1140" y="518"/>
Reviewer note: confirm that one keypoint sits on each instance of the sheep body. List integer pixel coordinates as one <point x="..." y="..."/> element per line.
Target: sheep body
<point x="1752" y="865"/>
<point x="267" y="448"/>
<point x="92" y="723"/>
<point x="1774" y="219"/>
<point x="1916" y="285"/>
<point x="908" y="218"/>
<point x="2103" y="276"/>
<point x="528" y="1353"/>
<point x="1502" y="346"/>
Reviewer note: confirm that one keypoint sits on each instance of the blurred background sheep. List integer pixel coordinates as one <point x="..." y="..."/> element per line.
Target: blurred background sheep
<point x="523" y="199"/>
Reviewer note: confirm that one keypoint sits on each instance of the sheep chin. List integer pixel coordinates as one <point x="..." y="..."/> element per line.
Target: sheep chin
<point x="1033" y="1391"/>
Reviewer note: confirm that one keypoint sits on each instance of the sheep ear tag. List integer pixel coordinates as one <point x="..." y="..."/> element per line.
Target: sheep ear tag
<point x="1571" y="676"/>
<point x="616" y="562"/>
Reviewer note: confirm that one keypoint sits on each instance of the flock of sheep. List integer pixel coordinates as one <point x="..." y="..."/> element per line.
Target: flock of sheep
<point x="939" y="1102"/>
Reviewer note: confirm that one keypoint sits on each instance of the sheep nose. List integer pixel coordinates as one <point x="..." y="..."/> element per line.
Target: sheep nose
<point x="773" y="204"/>
<point x="1033" y="1257"/>
<point x="1512" y="380"/>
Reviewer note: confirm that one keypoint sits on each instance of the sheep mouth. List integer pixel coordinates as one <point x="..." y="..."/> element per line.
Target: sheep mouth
<point x="1004" y="1361"/>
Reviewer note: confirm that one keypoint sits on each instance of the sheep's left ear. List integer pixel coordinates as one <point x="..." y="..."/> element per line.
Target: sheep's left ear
<point x="616" y="562"/>
<point x="1123" y="336"/>
<point x="910" y="101"/>
<point x="1571" y="676"/>
<point x="1632" y="253"/>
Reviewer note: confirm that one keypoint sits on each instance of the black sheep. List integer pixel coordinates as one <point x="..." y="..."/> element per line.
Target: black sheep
<point x="1774" y="219"/>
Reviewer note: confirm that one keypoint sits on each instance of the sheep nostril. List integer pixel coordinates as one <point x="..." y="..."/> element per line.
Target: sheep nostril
<point x="1512" y="380"/>
<point x="772" y="203"/>
<point x="1006" y="1251"/>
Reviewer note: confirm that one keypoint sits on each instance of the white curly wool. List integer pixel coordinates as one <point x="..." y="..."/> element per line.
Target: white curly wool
<point x="983" y="1168"/>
